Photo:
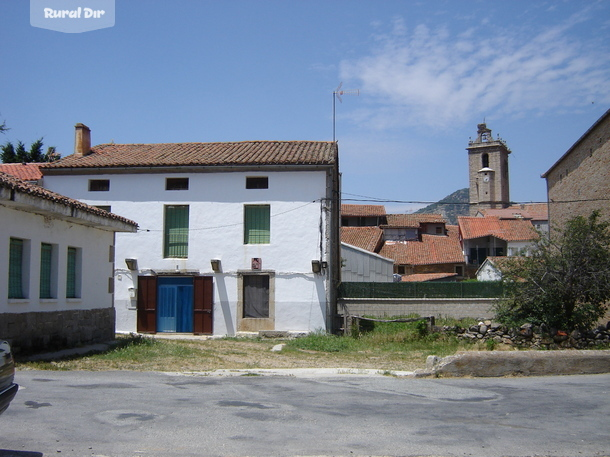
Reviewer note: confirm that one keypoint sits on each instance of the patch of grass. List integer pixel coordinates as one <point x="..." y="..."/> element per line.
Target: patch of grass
<point x="384" y="346"/>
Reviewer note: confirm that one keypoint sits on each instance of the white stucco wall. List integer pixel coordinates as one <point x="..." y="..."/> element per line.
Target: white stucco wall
<point x="358" y="265"/>
<point x="216" y="211"/>
<point x="36" y="229"/>
<point x="487" y="272"/>
<point x="519" y="248"/>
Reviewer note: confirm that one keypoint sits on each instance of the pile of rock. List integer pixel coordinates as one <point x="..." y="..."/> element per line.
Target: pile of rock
<point x="531" y="336"/>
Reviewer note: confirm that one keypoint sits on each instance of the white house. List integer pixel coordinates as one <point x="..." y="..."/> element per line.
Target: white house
<point x="482" y="237"/>
<point x="233" y="237"/>
<point x="57" y="256"/>
<point x="360" y="265"/>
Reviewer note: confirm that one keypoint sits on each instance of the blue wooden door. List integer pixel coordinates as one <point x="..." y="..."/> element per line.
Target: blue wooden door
<point x="175" y="304"/>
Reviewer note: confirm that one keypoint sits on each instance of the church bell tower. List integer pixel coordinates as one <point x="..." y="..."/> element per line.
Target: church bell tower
<point x="488" y="171"/>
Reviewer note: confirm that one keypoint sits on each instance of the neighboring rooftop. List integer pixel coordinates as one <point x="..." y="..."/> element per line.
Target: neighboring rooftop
<point x="431" y="250"/>
<point x="367" y="238"/>
<point x="504" y="229"/>
<point x="531" y="211"/>
<point x="11" y="187"/>
<point x="349" y="210"/>
<point x="24" y="171"/>
<point x="413" y="220"/>
<point x="202" y="154"/>
<point x="422" y="277"/>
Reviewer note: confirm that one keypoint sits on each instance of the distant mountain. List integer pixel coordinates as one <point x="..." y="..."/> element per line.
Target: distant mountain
<point x="452" y="206"/>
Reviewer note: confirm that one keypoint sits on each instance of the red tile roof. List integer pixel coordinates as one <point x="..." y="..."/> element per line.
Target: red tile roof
<point x="368" y="238"/>
<point x="18" y="185"/>
<point x="431" y="250"/>
<point x="363" y="210"/>
<point x="203" y="154"/>
<point x="532" y="211"/>
<point x="421" y="277"/>
<point x="504" y="229"/>
<point x="25" y="171"/>
<point x="413" y="220"/>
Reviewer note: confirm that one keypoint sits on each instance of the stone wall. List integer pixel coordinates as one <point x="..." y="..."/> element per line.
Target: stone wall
<point x="42" y="331"/>
<point x="531" y="336"/>
<point x="478" y="308"/>
<point x="578" y="183"/>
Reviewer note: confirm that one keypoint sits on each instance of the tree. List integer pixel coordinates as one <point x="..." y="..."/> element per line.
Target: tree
<point x="565" y="284"/>
<point x="12" y="154"/>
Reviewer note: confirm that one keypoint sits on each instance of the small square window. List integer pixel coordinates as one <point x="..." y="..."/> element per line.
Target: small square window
<point x="105" y="208"/>
<point x="176" y="184"/>
<point x="257" y="182"/>
<point x="99" y="185"/>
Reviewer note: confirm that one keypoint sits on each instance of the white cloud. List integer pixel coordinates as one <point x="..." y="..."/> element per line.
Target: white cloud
<point x="431" y="77"/>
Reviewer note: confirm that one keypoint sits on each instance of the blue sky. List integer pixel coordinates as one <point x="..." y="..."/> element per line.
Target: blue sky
<point x="538" y="72"/>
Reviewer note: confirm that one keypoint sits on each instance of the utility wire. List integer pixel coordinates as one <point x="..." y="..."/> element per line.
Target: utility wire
<point x="237" y="223"/>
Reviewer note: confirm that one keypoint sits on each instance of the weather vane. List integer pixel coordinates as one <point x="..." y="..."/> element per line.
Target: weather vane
<point x="337" y="93"/>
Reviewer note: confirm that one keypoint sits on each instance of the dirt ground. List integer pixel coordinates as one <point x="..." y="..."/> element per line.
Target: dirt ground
<point x="214" y="354"/>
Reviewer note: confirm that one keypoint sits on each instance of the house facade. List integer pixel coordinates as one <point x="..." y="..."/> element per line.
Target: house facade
<point x="487" y="236"/>
<point x="577" y="184"/>
<point x="58" y="256"/>
<point x="234" y="237"/>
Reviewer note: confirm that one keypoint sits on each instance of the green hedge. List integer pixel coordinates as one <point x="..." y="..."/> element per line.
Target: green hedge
<point x="484" y="289"/>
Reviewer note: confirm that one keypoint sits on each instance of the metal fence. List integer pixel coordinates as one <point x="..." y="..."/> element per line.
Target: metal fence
<point x="486" y="289"/>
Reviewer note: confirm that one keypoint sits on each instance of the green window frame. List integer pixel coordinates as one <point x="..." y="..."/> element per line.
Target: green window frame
<point x="176" y="231"/>
<point x="72" y="274"/>
<point x="257" y="224"/>
<point x="46" y="270"/>
<point x="15" y="269"/>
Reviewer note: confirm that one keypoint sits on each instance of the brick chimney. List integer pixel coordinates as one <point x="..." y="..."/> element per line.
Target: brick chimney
<point x="82" y="140"/>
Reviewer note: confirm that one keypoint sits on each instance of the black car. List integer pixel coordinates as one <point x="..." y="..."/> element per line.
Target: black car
<point x="8" y="388"/>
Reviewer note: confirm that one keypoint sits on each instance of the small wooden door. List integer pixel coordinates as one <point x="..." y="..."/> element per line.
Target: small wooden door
<point x="147" y="304"/>
<point x="204" y="305"/>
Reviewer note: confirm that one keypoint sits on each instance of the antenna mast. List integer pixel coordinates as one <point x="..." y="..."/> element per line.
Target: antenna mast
<point x="337" y="93"/>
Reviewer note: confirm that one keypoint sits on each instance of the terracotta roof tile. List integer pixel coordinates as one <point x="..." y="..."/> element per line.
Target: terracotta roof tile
<point x="367" y="238"/>
<point x="18" y="185"/>
<point x="25" y="171"/>
<point x="363" y="210"/>
<point x="203" y="154"/>
<point x="504" y="229"/>
<point x="431" y="250"/>
<point x="413" y="220"/>
<point x="421" y="277"/>
<point x="532" y="211"/>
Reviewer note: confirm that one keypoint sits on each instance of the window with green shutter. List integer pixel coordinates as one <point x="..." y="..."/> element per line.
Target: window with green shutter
<point x="72" y="274"/>
<point x="46" y="266"/>
<point x="15" y="269"/>
<point x="257" y="224"/>
<point x="176" y="231"/>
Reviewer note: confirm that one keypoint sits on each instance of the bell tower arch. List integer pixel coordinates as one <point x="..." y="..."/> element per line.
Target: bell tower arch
<point x="488" y="171"/>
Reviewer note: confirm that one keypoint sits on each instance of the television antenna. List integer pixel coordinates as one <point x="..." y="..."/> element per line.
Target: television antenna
<point x="337" y="94"/>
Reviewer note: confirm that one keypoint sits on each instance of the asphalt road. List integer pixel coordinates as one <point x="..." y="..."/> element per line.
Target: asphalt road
<point x="155" y="414"/>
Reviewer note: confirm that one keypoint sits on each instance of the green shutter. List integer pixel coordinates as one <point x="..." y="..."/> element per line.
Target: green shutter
<point x="257" y="224"/>
<point x="46" y="253"/>
<point x="71" y="274"/>
<point x="15" y="269"/>
<point x="176" y="231"/>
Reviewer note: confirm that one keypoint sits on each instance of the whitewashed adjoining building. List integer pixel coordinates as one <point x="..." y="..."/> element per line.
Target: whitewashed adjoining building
<point x="360" y="265"/>
<point x="57" y="257"/>
<point x="233" y="237"/>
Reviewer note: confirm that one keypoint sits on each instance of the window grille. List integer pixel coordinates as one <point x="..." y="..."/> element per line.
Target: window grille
<point x="176" y="231"/>
<point x="257" y="224"/>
